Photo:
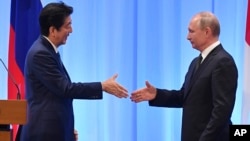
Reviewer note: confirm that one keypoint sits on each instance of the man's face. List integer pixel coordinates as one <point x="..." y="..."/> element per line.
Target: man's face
<point x="196" y="35"/>
<point x="62" y="34"/>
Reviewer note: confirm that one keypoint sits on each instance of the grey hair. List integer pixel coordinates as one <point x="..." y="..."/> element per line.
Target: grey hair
<point x="208" y="19"/>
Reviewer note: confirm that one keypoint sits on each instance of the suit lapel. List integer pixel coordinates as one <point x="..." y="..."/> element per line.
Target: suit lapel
<point x="55" y="55"/>
<point x="194" y="76"/>
<point x="64" y="71"/>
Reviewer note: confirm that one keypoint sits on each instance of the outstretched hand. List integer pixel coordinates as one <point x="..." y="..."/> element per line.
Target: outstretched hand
<point x="112" y="87"/>
<point x="145" y="94"/>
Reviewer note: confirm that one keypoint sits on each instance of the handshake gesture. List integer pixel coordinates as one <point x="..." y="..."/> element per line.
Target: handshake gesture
<point x="144" y="94"/>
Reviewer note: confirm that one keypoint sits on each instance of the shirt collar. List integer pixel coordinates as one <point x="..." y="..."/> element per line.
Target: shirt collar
<point x="55" y="48"/>
<point x="205" y="52"/>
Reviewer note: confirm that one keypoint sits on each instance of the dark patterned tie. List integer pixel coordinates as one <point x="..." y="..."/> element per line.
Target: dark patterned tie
<point x="198" y="62"/>
<point x="61" y="63"/>
<point x="59" y="58"/>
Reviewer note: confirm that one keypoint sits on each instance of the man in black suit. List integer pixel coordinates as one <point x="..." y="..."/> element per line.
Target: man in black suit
<point x="208" y="93"/>
<point x="49" y="90"/>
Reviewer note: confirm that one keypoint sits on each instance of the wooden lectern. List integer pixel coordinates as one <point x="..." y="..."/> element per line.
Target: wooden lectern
<point x="11" y="112"/>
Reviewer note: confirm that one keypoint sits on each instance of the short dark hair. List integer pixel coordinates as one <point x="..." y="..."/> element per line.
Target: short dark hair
<point x="53" y="14"/>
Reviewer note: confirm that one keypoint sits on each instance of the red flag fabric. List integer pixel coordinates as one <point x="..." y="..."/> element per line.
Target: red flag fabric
<point x="24" y="29"/>
<point x="246" y="89"/>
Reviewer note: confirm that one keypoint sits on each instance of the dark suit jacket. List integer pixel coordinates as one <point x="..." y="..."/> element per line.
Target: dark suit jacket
<point x="207" y="98"/>
<point x="50" y="92"/>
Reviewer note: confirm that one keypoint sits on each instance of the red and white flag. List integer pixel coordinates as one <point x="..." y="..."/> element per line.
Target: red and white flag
<point x="245" y="119"/>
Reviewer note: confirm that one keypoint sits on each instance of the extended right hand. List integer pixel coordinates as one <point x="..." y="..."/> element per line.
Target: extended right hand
<point x="145" y="94"/>
<point x="112" y="87"/>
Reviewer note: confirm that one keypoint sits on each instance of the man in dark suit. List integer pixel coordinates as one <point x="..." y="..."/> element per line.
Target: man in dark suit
<point x="208" y="93"/>
<point x="49" y="90"/>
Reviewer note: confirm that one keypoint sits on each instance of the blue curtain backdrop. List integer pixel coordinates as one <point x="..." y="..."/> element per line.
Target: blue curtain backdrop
<point x="140" y="40"/>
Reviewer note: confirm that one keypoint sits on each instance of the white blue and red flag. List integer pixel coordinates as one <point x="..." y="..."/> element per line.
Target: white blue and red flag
<point x="24" y="30"/>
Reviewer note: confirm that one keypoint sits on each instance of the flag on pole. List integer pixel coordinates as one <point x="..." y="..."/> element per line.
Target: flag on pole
<point x="246" y="87"/>
<point x="24" y="29"/>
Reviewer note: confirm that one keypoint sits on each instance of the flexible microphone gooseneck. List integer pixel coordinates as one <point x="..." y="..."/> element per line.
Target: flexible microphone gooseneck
<point x="12" y="79"/>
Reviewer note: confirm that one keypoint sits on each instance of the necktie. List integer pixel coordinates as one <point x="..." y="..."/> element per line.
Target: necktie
<point x="61" y="63"/>
<point x="59" y="57"/>
<point x="198" y="62"/>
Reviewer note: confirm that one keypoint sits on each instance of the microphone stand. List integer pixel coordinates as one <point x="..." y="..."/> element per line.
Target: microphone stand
<point x="13" y="80"/>
<point x="7" y="127"/>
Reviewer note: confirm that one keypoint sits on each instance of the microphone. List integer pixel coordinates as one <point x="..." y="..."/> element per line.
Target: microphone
<point x="12" y="79"/>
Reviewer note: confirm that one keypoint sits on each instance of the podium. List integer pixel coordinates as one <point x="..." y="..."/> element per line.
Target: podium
<point x="11" y="112"/>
